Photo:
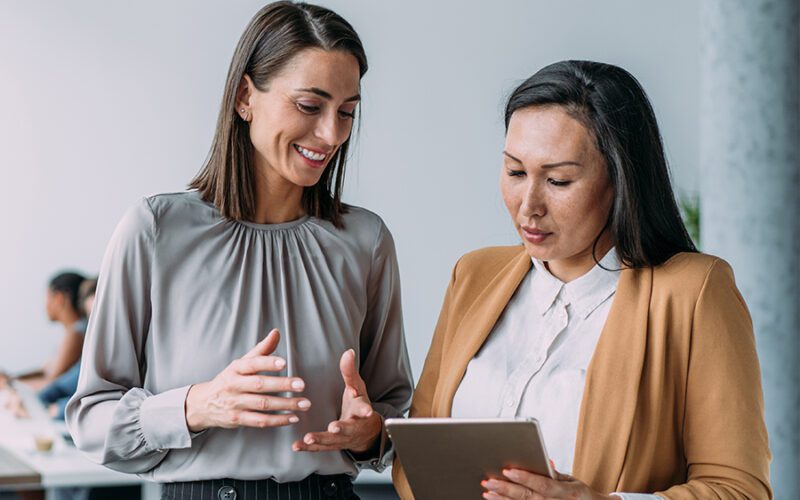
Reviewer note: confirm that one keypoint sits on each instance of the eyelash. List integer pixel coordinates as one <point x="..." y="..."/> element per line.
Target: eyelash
<point x="311" y="110"/>
<point x="553" y="182"/>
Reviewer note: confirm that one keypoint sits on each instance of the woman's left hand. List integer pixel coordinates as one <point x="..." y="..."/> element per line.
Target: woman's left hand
<point x="359" y="426"/>
<point x="524" y="485"/>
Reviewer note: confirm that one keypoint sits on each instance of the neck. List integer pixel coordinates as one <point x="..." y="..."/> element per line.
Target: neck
<point x="574" y="267"/>
<point x="68" y="318"/>
<point x="277" y="200"/>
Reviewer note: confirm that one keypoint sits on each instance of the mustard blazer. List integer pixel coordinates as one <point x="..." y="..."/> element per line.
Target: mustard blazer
<point x="672" y="402"/>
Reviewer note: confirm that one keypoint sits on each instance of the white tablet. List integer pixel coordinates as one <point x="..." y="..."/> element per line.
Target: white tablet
<point x="447" y="458"/>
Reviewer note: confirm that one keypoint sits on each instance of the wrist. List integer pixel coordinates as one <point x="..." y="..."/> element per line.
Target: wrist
<point x="192" y="408"/>
<point x="373" y="443"/>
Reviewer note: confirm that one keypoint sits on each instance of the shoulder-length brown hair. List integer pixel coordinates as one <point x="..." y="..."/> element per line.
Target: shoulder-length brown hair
<point x="275" y="34"/>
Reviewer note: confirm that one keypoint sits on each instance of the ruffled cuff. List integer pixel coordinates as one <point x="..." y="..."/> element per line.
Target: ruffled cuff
<point x="162" y="419"/>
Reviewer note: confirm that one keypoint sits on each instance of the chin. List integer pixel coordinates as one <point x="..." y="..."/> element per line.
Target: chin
<point x="538" y="252"/>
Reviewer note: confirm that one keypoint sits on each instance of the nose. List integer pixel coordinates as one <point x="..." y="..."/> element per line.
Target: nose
<point x="533" y="202"/>
<point x="332" y="130"/>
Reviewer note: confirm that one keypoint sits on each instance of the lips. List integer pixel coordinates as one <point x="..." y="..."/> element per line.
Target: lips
<point x="534" y="235"/>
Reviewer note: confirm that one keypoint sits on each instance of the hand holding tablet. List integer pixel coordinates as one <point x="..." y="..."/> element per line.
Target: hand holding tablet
<point x="447" y="458"/>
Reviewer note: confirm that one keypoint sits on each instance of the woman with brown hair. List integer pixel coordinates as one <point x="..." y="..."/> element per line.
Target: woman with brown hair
<point x="181" y="381"/>
<point x="633" y="350"/>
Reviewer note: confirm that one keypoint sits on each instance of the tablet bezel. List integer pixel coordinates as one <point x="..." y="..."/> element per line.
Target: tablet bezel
<point x="448" y="457"/>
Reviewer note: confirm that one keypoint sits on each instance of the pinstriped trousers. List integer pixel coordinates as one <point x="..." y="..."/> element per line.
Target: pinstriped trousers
<point x="314" y="487"/>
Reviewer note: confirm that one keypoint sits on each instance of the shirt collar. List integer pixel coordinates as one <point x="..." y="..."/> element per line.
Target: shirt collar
<point x="585" y="293"/>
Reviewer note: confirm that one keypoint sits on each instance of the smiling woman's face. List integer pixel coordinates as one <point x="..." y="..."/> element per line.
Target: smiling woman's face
<point x="298" y="123"/>
<point x="556" y="186"/>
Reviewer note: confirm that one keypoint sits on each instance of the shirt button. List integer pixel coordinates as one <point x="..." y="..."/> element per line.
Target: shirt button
<point x="330" y="488"/>
<point x="226" y="493"/>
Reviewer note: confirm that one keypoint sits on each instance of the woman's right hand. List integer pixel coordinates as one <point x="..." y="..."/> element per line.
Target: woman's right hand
<point x="238" y="396"/>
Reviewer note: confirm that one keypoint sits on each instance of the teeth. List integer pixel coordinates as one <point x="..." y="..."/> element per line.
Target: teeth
<point x="310" y="154"/>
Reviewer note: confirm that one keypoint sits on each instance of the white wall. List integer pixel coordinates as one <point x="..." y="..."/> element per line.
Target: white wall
<point x="104" y="102"/>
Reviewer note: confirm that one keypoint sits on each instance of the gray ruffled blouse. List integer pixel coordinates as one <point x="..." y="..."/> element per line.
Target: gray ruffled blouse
<point x="184" y="291"/>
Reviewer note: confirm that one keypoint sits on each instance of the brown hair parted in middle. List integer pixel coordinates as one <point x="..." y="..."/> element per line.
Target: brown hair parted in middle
<point x="275" y="34"/>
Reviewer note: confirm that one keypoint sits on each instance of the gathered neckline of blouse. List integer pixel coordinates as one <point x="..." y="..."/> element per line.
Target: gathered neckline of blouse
<point x="272" y="227"/>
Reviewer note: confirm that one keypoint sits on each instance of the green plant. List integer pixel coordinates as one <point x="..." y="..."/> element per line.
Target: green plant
<point x="690" y="211"/>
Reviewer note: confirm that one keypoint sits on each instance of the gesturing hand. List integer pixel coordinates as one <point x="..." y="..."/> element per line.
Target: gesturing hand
<point x="524" y="485"/>
<point x="238" y="396"/>
<point x="358" y="427"/>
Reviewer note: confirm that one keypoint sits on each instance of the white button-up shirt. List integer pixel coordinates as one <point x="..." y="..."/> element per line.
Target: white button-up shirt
<point x="533" y="363"/>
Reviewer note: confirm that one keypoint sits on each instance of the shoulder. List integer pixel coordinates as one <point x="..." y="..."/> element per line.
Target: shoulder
<point x="487" y="262"/>
<point x="164" y="204"/>
<point x="142" y="220"/>
<point x="366" y="228"/>
<point x="689" y="273"/>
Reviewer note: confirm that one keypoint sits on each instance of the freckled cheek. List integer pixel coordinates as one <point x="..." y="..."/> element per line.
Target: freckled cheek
<point x="512" y="198"/>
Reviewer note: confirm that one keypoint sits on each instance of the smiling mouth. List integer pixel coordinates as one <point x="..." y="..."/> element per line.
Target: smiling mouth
<point x="311" y="155"/>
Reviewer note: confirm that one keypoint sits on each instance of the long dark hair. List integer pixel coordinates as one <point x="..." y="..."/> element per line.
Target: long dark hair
<point x="645" y="222"/>
<point x="69" y="283"/>
<point x="275" y="34"/>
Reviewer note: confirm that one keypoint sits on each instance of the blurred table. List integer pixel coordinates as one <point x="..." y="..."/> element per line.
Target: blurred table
<point x="23" y="467"/>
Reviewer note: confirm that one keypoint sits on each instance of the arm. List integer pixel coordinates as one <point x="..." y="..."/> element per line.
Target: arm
<point x="62" y="387"/>
<point x="69" y="352"/>
<point x="111" y="417"/>
<point x="422" y="403"/>
<point x="380" y="385"/>
<point x="725" y="438"/>
<point x="384" y="364"/>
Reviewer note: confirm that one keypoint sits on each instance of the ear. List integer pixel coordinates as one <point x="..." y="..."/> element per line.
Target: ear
<point x="243" y="96"/>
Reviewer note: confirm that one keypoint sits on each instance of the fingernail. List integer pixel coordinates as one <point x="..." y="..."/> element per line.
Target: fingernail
<point x="304" y="403"/>
<point x="293" y="419"/>
<point x="511" y="474"/>
<point x="298" y="385"/>
<point x="490" y="484"/>
<point x="308" y="440"/>
<point x="280" y="363"/>
<point x="335" y="430"/>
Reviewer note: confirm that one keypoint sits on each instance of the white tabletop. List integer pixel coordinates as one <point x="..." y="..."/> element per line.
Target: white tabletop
<point x="64" y="465"/>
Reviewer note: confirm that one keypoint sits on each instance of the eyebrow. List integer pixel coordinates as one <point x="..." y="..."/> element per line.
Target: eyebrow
<point x="546" y="165"/>
<point x="327" y="95"/>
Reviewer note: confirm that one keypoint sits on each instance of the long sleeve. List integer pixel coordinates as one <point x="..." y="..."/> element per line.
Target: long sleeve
<point x="725" y="439"/>
<point x="111" y="417"/>
<point x="384" y="364"/>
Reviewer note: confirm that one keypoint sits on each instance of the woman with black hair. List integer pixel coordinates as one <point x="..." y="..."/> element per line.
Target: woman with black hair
<point x="186" y="379"/>
<point x="634" y="351"/>
<point x="63" y="305"/>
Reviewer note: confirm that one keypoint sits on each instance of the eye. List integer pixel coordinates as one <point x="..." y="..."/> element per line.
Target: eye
<point x="344" y="114"/>
<point x="307" y="108"/>
<point x="515" y="173"/>
<point x="558" y="183"/>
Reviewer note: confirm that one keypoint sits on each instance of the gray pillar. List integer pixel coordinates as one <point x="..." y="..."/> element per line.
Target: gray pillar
<point x="750" y="192"/>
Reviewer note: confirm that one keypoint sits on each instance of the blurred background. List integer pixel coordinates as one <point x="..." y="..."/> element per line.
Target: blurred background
<point x="102" y="103"/>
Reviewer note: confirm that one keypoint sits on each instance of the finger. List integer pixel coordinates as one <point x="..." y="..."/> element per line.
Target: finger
<point x="254" y="402"/>
<point x="265" y="384"/>
<point x="350" y="375"/>
<point x="316" y="440"/>
<point x="539" y="484"/>
<point x="266" y="346"/>
<point x="262" y="420"/>
<point x="357" y="409"/>
<point x="301" y="446"/>
<point x="498" y="488"/>
<point x="491" y="495"/>
<point x="257" y="364"/>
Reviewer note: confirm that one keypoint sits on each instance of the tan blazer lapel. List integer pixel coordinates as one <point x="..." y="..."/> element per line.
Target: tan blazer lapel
<point x="475" y="326"/>
<point x="612" y="384"/>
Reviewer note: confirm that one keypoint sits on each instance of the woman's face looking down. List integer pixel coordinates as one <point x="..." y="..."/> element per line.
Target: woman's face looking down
<point x="555" y="184"/>
<point x="299" y="121"/>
